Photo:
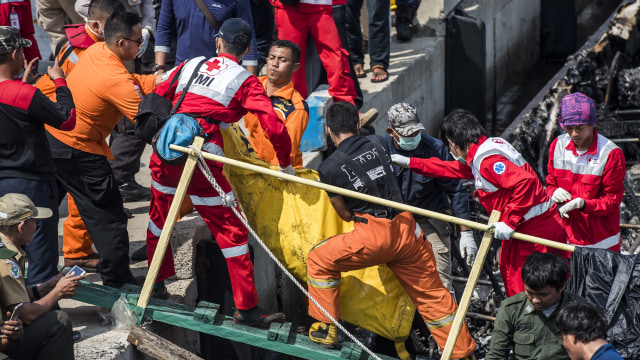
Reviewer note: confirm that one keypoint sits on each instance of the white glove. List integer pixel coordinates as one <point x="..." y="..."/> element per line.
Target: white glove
<point x="289" y="170"/>
<point x="146" y="35"/>
<point x="468" y="246"/>
<point x="576" y="203"/>
<point x="400" y="160"/>
<point x="560" y="195"/>
<point x="502" y="230"/>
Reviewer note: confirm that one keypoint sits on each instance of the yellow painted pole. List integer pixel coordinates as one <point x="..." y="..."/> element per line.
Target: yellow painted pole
<point x="465" y="301"/>
<point x="169" y="224"/>
<point x="373" y="199"/>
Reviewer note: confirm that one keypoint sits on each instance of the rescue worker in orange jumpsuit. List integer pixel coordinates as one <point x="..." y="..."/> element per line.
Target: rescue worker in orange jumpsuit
<point x="76" y="242"/>
<point x="504" y="181"/>
<point x="104" y="92"/>
<point x="380" y="235"/>
<point x="282" y="61"/>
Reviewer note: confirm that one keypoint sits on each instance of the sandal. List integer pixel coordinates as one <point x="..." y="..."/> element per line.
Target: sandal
<point x="379" y="74"/>
<point x="359" y="70"/>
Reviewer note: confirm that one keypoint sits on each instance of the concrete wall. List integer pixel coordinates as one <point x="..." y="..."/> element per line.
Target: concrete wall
<point x="512" y="39"/>
<point x="416" y="77"/>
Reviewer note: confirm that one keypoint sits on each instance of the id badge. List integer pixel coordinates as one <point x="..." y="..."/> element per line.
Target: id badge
<point x="15" y="21"/>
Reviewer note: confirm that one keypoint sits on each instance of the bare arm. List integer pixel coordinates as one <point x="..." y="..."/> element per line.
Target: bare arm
<point x="64" y="289"/>
<point x="340" y="205"/>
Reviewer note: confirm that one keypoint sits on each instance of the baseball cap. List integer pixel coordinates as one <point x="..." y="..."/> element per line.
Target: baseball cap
<point x="577" y="109"/>
<point x="236" y="31"/>
<point x="403" y="119"/>
<point x="10" y="39"/>
<point x="15" y="208"/>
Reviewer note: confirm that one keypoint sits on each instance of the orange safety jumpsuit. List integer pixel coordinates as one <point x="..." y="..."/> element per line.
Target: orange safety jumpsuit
<point x="291" y="108"/>
<point x="99" y="115"/>
<point x="76" y="241"/>
<point x="379" y="237"/>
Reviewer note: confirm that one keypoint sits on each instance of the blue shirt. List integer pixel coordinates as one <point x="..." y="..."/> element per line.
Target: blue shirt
<point x="606" y="352"/>
<point x="196" y="36"/>
<point x="426" y="192"/>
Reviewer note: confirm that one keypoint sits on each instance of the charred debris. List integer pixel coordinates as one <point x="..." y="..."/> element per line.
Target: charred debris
<point x="607" y="69"/>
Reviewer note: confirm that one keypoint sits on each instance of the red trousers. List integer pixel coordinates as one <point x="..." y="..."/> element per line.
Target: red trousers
<point x="296" y="27"/>
<point x="401" y="245"/>
<point x="226" y="228"/>
<point x="514" y="252"/>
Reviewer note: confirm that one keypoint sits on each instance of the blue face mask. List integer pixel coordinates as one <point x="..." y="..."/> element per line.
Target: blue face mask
<point x="409" y="143"/>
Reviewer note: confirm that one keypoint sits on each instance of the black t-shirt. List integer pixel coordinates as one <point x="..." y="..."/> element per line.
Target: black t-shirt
<point x="363" y="152"/>
<point x="24" y="149"/>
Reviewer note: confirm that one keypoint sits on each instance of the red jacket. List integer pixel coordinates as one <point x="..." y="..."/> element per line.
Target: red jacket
<point x="504" y="181"/>
<point x="597" y="177"/>
<point x="27" y="31"/>
<point x="225" y="91"/>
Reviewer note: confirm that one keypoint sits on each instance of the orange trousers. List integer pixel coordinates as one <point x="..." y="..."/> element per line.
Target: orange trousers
<point x="401" y="245"/>
<point x="76" y="241"/>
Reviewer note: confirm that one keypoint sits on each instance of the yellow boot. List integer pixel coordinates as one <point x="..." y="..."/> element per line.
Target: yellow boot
<point x="325" y="334"/>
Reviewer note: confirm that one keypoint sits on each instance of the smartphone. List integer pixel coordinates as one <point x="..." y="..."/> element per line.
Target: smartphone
<point x="42" y="66"/>
<point x="16" y="312"/>
<point x="76" y="271"/>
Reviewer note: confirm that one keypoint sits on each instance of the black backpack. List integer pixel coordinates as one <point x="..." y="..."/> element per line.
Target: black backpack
<point x="155" y="109"/>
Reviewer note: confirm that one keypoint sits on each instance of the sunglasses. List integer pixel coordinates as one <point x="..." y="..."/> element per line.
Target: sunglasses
<point x="139" y="41"/>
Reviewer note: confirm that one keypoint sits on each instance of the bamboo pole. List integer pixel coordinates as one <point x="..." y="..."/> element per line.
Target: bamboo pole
<point x="476" y="269"/>
<point x="373" y="199"/>
<point x="169" y="224"/>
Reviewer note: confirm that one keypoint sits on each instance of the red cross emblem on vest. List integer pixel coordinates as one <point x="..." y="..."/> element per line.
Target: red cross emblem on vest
<point x="214" y="67"/>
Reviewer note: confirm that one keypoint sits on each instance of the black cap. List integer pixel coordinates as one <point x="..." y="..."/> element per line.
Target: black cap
<point x="236" y="31"/>
<point x="10" y="40"/>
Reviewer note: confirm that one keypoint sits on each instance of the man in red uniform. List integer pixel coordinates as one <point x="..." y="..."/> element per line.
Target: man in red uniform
<point x="504" y="181"/>
<point x="586" y="173"/>
<point x="380" y="235"/>
<point x="225" y="92"/>
<point x="17" y="14"/>
<point x="315" y="18"/>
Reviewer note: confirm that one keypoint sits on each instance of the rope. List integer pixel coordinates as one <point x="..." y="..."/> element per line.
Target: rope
<point x="228" y="202"/>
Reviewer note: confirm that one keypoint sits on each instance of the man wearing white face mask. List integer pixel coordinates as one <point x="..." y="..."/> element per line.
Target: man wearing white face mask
<point x="442" y="195"/>
<point x="142" y="8"/>
<point x="504" y="181"/>
<point x="80" y="37"/>
<point x="77" y="245"/>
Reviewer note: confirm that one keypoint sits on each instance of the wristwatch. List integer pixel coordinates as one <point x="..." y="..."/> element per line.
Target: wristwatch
<point x="157" y="67"/>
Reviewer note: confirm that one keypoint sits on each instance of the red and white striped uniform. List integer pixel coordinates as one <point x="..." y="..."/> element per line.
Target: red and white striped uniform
<point x="224" y="91"/>
<point x="597" y="177"/>
<point x="505" y="182"/>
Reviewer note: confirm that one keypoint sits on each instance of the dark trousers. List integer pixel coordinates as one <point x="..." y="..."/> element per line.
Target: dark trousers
<point x="410" y="3"/>
<point x="127" y="149"/>
<point x="42" y="251"/>
<point x="88" y="178"/>
<point x="49" y="337"/>
<point x="379" y="31"/>
<point x="263" y="26"/>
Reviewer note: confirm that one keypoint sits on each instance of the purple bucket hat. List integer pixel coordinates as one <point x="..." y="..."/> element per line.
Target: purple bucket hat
<point x="577" y="109"/>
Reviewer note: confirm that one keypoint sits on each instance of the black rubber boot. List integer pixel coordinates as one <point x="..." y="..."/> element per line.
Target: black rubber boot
<point x="257" y="317"/>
